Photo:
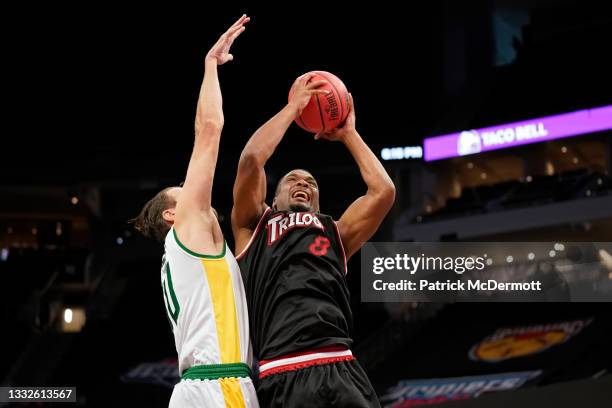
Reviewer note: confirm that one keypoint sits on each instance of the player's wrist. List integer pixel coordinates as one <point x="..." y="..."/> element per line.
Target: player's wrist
<point x="293" y="109"/>
<point x="211" y="59"/>
<point x="350" y="135"/>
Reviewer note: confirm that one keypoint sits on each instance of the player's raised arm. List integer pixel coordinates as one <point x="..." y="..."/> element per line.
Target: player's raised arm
<point x="363" y="217"/>
<point x="250" y="184"/>
<point x="195" y="197"/>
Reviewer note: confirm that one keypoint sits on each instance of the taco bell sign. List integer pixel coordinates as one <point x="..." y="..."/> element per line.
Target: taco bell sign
<point x="518" y="133"/>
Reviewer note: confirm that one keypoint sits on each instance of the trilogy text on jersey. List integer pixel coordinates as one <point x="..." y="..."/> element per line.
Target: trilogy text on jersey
<point x="280" y="224"/>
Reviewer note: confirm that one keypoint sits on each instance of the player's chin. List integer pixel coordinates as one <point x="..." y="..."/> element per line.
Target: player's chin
<point x="298" y="206"/>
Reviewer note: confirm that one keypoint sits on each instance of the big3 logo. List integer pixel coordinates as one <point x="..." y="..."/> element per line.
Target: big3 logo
<point x="513" y="342"/>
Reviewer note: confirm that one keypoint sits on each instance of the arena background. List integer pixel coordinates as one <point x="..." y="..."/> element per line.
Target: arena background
<point x="99" y="107"/>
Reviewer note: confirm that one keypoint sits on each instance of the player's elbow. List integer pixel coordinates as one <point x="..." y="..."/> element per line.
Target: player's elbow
<point x="251" y="159"/>
<point x="209" y="127"/>
<point x="385" y="195"/>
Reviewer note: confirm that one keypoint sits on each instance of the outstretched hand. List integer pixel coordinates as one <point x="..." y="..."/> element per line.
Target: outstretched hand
<point x="304" y="90"/>
<point x="220" y="51"/>
<point x="347" y="127"/>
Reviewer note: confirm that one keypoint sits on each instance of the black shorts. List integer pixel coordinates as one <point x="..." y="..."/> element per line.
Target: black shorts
<point x="339" y="384"/>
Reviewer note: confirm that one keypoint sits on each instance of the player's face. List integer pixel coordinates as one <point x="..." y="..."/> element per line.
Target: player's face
<point x="297" y="191"/>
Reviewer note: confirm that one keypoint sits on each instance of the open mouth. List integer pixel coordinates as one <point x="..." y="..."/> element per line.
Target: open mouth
<point x="300" y="195"/>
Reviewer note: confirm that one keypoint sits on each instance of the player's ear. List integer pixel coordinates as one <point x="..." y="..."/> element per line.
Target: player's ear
<point x="168" y="215"/>
<point x="274" y="204"/>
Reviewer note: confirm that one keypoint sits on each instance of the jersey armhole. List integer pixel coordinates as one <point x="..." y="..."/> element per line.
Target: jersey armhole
<point x="191" y="253"/>
<point x="248" y="245"/>
<point x="337" y="230"/>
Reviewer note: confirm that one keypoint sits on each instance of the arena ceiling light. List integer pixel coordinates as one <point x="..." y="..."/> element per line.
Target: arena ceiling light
<point x="72" y="319"/>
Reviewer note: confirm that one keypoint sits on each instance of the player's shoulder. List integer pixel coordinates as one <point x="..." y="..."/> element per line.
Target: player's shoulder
<point x="324" y="216"/>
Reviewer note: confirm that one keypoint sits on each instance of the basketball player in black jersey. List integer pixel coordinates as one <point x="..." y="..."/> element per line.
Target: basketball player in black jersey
<point x="293" y="262"/>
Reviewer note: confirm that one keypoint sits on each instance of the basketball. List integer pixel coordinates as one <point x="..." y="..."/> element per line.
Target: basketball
<point x="324" y="112"/>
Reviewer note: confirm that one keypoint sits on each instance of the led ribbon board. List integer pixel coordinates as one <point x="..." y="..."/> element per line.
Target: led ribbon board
<point x="518" y="133"/>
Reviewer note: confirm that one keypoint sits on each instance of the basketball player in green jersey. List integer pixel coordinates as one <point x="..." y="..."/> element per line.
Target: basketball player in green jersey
<point x="201" y="283"/>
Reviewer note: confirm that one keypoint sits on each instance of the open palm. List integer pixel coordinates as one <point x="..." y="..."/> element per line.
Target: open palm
<point x="220" y="52"/>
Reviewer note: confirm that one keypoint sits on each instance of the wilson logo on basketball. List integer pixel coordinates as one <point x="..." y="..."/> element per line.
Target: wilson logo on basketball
<point x="279" y="225"/>
<point x="332" y="109"/>
<point x="514" y="342"/>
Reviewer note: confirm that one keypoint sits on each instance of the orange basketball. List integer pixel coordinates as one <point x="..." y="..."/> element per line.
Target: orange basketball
<point x="324" y="112"/>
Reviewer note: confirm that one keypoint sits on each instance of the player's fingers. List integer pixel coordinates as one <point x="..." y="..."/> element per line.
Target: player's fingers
<point x="236" y="33"/>
<point x="316" y="84"/>
<point x="306" y="77"/>
<point x="319" y="92"/>
<point x="233" y="30"/>
<point x="240" y="21"/>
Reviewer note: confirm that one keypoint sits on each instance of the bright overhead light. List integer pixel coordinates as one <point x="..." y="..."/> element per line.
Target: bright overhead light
<point x="68" y="315"/>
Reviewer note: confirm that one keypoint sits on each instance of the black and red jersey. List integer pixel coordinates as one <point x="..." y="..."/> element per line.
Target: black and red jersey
<point x="294" y="271"/>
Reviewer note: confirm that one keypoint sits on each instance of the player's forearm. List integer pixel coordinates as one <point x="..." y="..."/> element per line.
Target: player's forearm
<point x="264" y="141"/>
<point x="372" y="171"/>
<point x="209" y="112"/>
